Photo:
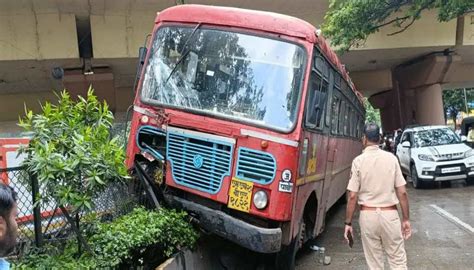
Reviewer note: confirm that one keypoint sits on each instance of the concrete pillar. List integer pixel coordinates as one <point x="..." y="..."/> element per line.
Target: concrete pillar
<point x="102" y="82"/>
<point x="389" y="109"/>
<point x="429" y="105"/>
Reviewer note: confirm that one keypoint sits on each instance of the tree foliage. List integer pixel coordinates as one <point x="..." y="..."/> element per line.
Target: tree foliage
<point x="71" y="151"/>
<point x="371" y="114"/>
<point x="350" y="22"/>
<point x="454" y="101"/>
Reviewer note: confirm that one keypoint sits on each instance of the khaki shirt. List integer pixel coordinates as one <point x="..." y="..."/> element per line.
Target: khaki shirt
<point x="374" y="175"/>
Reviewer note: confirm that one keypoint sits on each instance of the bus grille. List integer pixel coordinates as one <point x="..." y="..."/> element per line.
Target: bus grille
<point x="256" y="166"/>
<point x="198" y="163"/>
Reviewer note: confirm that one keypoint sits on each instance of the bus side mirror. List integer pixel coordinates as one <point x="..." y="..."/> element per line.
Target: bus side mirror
<point x="463" y="138"/>
<point x="406" y="144"/>
<point x="141" y="61"/>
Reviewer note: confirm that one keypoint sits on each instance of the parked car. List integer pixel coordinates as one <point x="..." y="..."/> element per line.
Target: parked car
<point x="434" y="153"/>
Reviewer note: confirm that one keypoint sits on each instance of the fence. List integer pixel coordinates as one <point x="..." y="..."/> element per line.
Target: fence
<point x="45" y="222"/>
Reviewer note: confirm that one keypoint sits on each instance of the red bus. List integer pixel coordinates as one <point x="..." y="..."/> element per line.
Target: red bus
<point x="248" y="121"/>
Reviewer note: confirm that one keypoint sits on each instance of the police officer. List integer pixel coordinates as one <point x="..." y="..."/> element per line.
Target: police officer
<point x="8" y="226"/>
<point x="377" y="185"/>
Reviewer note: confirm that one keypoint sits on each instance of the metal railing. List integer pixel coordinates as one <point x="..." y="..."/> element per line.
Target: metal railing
<point x="44" y="223"/>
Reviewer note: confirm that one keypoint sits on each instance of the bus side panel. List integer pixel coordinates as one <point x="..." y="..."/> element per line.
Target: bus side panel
<point x="302" y="195"/>
<point x="347" y="150"/>
<point x="340" y="170"/>
<point x="312" y="178"/>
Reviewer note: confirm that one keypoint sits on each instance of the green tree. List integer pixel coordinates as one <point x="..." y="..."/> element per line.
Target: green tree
<point x="72" y="153"/>
<point x="349" y="22"/>
<point x="371" y="114"/>
<point x="454" y="101"/>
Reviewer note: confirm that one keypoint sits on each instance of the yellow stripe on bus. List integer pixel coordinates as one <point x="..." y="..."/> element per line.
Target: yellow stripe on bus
<point x="320" y="176"/>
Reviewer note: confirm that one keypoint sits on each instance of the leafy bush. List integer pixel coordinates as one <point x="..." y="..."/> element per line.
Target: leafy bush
<point x="71" y="151"/>
<point x="124" y="240"/>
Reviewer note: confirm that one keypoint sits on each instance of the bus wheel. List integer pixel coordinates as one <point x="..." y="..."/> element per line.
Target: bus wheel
<point x="285" y="259"/>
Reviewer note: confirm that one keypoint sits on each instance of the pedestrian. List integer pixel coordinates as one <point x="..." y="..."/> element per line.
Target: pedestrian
<point x="458" y="130"/>
<point x="377" y="185"/>
<point x="8" y="225"/>
<point x="470" y="135"/>
<point x="397" y="140"/>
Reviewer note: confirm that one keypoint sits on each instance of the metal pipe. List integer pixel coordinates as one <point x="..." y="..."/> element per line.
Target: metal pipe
<point x="36" y="212"/>
<point x="465" y="102"/>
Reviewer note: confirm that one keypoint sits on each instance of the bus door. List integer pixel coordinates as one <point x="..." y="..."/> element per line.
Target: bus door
<point x="317" y="132"/>
<point x="330" y="152"/>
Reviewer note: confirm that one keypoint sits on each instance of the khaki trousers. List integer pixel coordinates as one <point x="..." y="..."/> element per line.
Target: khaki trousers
<point x="381" y="231"/>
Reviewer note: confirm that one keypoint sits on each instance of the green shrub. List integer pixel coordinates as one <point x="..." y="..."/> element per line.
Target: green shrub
<point x="71" y="151"/>
<point x="124" y="240"/>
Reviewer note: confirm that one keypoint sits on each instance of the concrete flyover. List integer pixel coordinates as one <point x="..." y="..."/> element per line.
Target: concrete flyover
<point x="96" y="42"/>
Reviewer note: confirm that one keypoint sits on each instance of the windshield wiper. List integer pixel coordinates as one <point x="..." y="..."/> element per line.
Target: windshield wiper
<point x="183" y="55"/>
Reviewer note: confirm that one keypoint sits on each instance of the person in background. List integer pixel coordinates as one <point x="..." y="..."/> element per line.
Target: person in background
<point x="458" y="130"/>
<point x="470" y="135"/>
<point x="377" y="185"/>
<point x="397" y="140"/>
<point x="8" y="225"/>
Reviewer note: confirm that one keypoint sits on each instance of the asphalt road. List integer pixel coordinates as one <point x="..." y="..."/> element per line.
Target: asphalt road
<point x="442" y="221"/>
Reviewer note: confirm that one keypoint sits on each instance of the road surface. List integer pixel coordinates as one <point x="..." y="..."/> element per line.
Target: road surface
<point x="442" y="220"/>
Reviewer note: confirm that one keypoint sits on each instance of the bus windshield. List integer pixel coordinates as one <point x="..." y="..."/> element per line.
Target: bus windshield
<point x="228" y="74"/>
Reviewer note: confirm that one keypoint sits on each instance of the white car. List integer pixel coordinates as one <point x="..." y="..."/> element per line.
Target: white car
<point x="434" y="153"/>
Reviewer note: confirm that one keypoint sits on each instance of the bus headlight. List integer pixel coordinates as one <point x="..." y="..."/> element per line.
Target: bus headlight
<point x="260" y="199"/>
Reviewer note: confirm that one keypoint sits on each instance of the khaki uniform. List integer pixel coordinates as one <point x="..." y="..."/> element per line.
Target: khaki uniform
<point x="374" y="176"/>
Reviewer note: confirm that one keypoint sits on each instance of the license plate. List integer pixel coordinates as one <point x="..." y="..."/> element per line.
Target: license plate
<point x="240" y="195"/>
<point x="285" y="187"/>
<point x="451" y="170"/>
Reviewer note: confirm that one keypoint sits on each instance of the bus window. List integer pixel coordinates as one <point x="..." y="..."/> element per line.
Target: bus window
<point x="342" y="109"/>
<point x="334" y="114"/>
<point x="317" y="99"/>
<point x="357" y="126"/>
<point x="337" y="80"/>
<point x="346" y="119"/>
<point x="350" y="125"/>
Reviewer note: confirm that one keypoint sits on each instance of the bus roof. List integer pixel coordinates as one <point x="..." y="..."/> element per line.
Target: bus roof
<point x="244" y="18"/>
<point x="254" y="20"/>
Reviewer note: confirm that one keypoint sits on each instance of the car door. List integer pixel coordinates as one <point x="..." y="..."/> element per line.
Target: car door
<point x="404" y="152"/>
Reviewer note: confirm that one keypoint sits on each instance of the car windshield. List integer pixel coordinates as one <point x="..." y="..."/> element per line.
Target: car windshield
<point x="434" y="137"/>
<point x="227" y="74"/>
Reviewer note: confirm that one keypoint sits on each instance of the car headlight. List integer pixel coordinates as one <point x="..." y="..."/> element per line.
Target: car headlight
<point x="426" y="157"/>
<point x="469" y="153"/>
<point x="260" y="199"/>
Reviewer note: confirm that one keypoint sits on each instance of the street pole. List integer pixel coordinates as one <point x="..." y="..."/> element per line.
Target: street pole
<point x="465" y="102"/>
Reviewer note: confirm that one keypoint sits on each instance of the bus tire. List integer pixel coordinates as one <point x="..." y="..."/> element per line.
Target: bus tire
<point x="286" y="257"/>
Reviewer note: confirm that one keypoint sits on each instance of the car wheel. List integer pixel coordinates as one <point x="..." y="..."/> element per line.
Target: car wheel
<point x="470" y="180"/>
<point x="414" y="177"/>
<point x="401" y="168"/>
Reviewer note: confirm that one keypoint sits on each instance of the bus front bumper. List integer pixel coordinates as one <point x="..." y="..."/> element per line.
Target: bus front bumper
<point x="255" y="238"/>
